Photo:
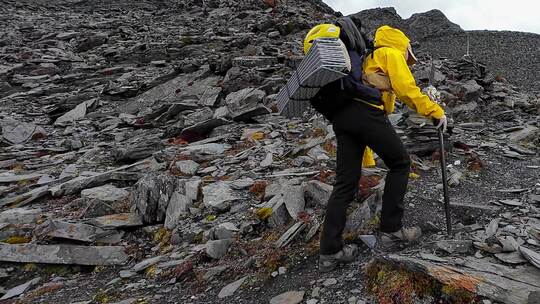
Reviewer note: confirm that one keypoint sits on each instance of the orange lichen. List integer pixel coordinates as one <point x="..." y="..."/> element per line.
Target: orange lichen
<point x="455" y="279"/>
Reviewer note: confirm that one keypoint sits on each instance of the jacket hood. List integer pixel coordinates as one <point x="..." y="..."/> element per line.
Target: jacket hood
<point x="391" y="37"/>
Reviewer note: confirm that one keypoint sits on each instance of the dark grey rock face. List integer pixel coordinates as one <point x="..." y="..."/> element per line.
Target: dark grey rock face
<point x="512" y="55"/>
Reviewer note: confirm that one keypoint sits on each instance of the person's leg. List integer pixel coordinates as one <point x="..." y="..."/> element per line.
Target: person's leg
<point x="348" y="170"/>
<point x="387" y="144"/>
<point x="371" y="127"/>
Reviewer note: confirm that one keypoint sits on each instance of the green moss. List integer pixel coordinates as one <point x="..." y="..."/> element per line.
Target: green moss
<point x="17" y="239"/>
<point x="458" y="295"/>
<point x="290" y="27"/>
<point x="392" y="284"/>
<point x="49" y="269"/>
<point x="186" y="40"/>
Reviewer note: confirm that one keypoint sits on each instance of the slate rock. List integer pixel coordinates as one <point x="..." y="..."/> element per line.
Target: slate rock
<point x="246" y="103"/>
<point x="151" y="196"/>
<point x="96" y="208"/>
<point x="63" y="254"/>
<point x="178" y="205"/>
<point x="318" y="191"/>
<point x="121" y="220"/>
<point x="20" y="215"/>
<point x="511" y="258"/>
<point x="75" y="114"/>
<point x="289" y="297"/>
<point x="294" y="200"/>
<point x="20" y="289"/>
<point x="91" y="41"/>
<point x="455" y="246"/>
<point x="106" y="193"/>
<point x="209" y="149"/>
<point x="290" y="234"/>
<point x="231" y="288"/>
<point x="142" y="265"/>
<point x="218" y="195"/>
<point x="17" y="132"/>
<point x="187" y="167"/>
<point x="218" y="248"/>
<point x="73" y="231"/>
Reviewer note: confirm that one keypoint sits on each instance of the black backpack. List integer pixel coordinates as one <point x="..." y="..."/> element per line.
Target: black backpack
<point x="338" y="94"/>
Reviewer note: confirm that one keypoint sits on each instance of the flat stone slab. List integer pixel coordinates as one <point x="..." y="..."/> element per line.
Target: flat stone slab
<point x="75" y="231"/>
<point x="20" y="177"/>
<point x="500" y="283"/>
<point x="120" y="220"/>
<point x="105" y="193"/>
<point x="63" y="254"/>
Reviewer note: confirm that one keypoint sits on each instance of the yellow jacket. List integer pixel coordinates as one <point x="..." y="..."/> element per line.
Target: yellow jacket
<point x="387" y="70"/>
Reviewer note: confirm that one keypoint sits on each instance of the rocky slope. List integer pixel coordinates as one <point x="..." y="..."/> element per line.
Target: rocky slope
<point x="141" y="161"/>
<point x="513" y="55"/>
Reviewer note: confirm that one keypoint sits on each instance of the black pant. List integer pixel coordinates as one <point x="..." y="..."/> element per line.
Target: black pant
<point x="356" y="126"/>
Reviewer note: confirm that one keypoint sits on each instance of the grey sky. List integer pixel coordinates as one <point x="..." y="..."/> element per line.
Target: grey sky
<point x="516" y="15"/>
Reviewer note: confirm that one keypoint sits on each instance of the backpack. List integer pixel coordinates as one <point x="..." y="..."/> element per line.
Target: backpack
<point x="340" y="93"/>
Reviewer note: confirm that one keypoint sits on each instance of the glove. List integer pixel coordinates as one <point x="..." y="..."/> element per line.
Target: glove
<point x="441" y="123"/>
<point x="433" y="94"/>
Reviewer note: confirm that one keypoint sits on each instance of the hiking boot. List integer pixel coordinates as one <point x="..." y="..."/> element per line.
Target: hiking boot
<point x="347" y="254"/>
<point x="402" y="236"/>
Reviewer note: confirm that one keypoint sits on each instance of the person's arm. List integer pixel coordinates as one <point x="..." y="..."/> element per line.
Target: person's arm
<point x="404" y="85"/>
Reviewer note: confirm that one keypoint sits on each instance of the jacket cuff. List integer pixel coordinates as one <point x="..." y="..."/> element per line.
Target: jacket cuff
<point x="438" y="113"/>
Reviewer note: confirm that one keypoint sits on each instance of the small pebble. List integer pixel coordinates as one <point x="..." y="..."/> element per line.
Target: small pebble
<point x="315" y="292"/>
<point x="329" y="282"/>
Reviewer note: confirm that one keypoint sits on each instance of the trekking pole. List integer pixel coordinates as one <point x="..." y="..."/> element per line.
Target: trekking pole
<point x="445" y="183"/>
<point x="443" y="162"/>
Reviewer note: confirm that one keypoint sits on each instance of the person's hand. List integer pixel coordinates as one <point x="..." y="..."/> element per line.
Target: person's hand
<point x="442" y="123"/>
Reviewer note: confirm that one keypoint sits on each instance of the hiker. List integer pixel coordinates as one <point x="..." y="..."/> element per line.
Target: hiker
<point x="357" y="106"/>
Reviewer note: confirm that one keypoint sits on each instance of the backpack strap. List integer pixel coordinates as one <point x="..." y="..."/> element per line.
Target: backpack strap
<point x="372" y="51"/>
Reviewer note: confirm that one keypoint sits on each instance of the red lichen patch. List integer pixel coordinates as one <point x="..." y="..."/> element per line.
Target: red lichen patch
<point x="462" y="146"/>
<point x="177" y="141"/>
<point x="271" y="3"/>
<point x="239" y="147"/>
<point x="272" y="259"/>
<point x="499" y="78"/>
<point x="258" y="189"/>
<point x="366" y="183"/>
<point x="40" y="154"/>
<point x="474" y="163"/>
<point x="179" y="272"/>
<point x="324" y="175"/>
<point x="304" y="217"/>
<point x="436" y="156"/>
<point x="139" y="121"/>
